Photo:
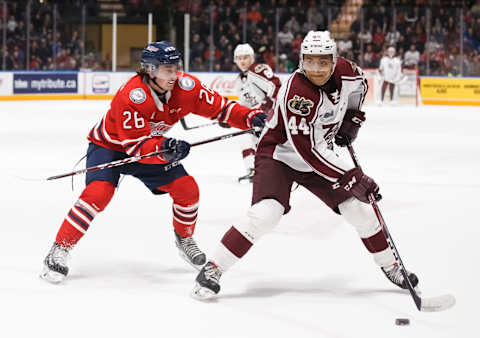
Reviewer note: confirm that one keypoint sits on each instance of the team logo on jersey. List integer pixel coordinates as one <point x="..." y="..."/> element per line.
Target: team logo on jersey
<point x="138" y="95"/>
<point x="300" y="105"/>
<point x="186" y="83"/>
<point x="158" y="128"/>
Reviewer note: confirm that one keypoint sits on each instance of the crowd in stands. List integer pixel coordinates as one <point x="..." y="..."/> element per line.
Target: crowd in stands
<point x="46" y="53"/>
<point x="406" y="32"/>
<point x="231" y="21"/>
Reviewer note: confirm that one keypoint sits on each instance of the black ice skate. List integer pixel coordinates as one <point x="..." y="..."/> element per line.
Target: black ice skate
<point x="394" y="274"/>
<point x="189" y="251"/>
<point x="248" y="177"/>
<point x="207" y="282"/>
<point x="55" y="267"/>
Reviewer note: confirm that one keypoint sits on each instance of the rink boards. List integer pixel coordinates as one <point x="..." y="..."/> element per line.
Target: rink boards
<point x="412" y="90"/>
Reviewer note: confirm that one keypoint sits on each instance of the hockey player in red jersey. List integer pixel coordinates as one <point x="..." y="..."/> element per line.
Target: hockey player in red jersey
<point x="319" y="106"/>
<point x="142" y="111"/>
<point x="256" y="87"/>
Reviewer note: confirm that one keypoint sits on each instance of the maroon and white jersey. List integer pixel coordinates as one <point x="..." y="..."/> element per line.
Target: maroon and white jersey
<point x="257" y="87"/>
<point x="300" y="130"/>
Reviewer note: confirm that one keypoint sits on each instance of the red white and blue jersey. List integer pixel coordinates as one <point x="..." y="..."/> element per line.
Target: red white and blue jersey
<point x="137" y="118"/>
<point x="300" y="130"/>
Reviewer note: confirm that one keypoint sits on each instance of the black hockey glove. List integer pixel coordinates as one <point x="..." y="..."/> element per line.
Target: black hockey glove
<point x="176" y="150"/>
<point x="349" y="129"/>
<point x="258" y="122"/>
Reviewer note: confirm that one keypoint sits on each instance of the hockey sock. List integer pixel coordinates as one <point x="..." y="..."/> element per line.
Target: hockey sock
<point x="94" y="198"/>
<point x="185" y="195"/>
<point x="377" y="245"/>
<point x="233" y="247"/>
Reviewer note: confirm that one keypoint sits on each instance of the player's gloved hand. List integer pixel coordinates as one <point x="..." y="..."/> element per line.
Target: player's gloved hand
<point x="349" y="129"/>
<point x="176" y="150"/>
<point x="256" y="119"/>
<point x="359" y="184"/>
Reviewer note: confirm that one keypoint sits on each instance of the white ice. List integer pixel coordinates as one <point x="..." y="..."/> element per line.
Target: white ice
<point x="311" y="277"/>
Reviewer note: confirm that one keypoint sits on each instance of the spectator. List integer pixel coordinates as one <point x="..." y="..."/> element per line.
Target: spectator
<point x="412" y="57"/>
<point x="475" y="65"/>
<point x="285" y="38"/>
<point x="365" y="36"/>
<point x="378" y="39"/>
<point x="370" y="58"/>
<point x="392" y="37"/>
<point x="293" y="25"/>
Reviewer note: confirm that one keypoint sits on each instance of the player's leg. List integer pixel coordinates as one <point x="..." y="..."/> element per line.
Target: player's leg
<point x="271" y="194"/>
<point x="363" y="219"/>
<point x="248" y="144"/>
<point x="182" y="188"/>
<point x="99" y="190"/>
<point x="394" y="93"/>
<point x="391" y="89"/>
<point x="384" y="89"/>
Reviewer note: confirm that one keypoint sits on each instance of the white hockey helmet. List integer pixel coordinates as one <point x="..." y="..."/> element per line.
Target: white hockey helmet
<point x="391" y="51"/>
<point x="243" y="49"/>
<point x="318" y="43"/>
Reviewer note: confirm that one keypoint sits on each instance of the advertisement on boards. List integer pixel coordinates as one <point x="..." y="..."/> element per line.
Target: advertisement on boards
<point x="45" y="83"/>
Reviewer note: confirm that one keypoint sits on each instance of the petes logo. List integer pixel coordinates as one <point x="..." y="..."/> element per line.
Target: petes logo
<point x="138" y="95"/>
<point x="186" y="83"/>
<point x="300" y="105"/>
<point x="158" y="128"/>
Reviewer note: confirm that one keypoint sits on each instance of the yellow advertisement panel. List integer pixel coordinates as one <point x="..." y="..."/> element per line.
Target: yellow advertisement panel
<point x="454" y="91"/>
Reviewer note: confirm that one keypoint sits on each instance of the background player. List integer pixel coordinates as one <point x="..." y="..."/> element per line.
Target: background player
<point x="142" y="111"/>
<point x="391" y="72"/>
<point x="318" y="105"/>
<point x="256" y="87"/>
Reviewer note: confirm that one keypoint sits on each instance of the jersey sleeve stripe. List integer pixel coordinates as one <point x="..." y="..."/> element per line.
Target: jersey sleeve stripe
<point x="134" y="150"/>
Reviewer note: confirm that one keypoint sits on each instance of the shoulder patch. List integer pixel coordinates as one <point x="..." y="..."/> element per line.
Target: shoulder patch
<point x="138" y="95"/>
<point x="186" y="83"/>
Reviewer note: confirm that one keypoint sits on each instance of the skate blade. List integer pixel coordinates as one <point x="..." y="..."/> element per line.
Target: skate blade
<point x="52" y="277"/>
<point x="201" y="293"/>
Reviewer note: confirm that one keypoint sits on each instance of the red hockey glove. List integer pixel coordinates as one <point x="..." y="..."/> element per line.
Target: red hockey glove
<point x="359" y="184"/>
<point x="349" y="129"/>
<point x="256" y="119"/>
<point x="176" y="149"/>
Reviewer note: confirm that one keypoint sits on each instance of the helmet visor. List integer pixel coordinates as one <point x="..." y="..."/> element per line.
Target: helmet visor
<point x="317" y="63"/>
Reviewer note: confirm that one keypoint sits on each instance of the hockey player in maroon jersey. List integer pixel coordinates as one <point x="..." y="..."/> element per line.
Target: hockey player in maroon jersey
<point x="256" y="87"/>
<point x="142" y="111"/>
<point x="319" y="105"/>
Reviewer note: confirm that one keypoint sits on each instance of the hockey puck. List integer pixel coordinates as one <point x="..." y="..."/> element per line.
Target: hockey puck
<point x="402" y="321"/>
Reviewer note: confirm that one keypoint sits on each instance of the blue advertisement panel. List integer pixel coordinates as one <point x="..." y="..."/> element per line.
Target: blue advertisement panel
<point x="44" y="83"/>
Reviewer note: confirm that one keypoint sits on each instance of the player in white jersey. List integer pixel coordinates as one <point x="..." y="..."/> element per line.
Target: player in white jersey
<point x="318" y="106"/>
<point x="391" y="71"/>
<point x="256" y="87"/>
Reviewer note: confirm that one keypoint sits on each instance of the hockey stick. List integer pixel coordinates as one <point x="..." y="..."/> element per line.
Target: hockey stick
<point x="184" y="124"/>
<point x="433" y="304"/>
<point x="141" y="157"/>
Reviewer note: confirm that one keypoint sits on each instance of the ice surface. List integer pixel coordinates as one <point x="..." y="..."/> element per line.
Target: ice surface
<point x="311" y="277"/>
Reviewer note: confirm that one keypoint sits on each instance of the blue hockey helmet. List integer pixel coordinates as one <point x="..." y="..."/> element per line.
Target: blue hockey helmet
<point x="160" y="53"/>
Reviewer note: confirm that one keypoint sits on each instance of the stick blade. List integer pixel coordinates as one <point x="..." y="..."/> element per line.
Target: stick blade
<point x="435" y="304"/>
